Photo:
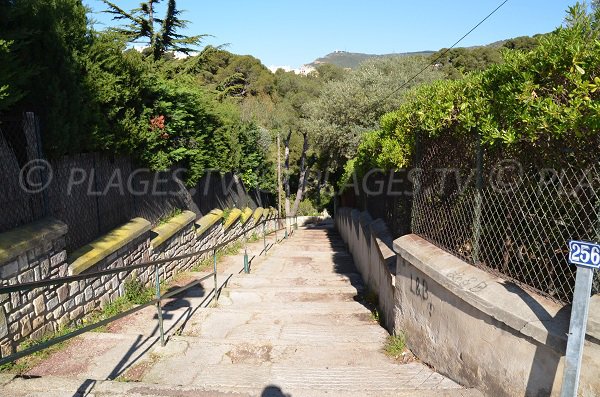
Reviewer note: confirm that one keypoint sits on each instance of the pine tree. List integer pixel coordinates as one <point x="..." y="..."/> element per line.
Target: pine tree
<point x="161" y="34"/>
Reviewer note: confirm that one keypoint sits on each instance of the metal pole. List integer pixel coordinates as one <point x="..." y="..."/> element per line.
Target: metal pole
<point x="579" y="315"/>
<point x="279" y="187"/>
<point x="478" y="202"/>
<point x="286" y="228"/>
<point x="159" y="308"/>
<point x="215" y="273"/>
<point x="265" y="235"/>
<point x="246" y="267"/>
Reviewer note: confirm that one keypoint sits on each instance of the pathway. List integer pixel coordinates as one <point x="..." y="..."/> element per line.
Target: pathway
<point x="293" y="327"/>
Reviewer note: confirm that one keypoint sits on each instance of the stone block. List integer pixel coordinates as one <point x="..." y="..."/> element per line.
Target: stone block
<point x="37" y="322"/>
<point x="39" y="305"/>
<point x="62" y="292"/>
<point x="26" y="276"/>
<point x="76" y="313"/>
<point x="7" y="348"/>
<point x="9" y="269"/>
<point x="58" y="312"/>
<point x="25" y="327"/>
<point x="15" y="299"/>
<point x="57" y="259"/>
<point x="52" y="303"/>
<point x="73" y="288"/>
<point x="89" y="293"/>
<point x="45" y="267"/>
<point x="3" y="324"/>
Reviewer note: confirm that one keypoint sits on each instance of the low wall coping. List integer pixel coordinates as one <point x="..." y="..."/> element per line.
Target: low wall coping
<point x="258" y="213"/>
<point x="233" y="216"/>
<point x="24" y="238"/>
<point x="272" y="212"/>
<point x="383" y="239"/>
<point x="530" y="314"/>
<point x="92" y="253"/>
<point x="246" y="215"/>
<point x="208" y="220"/>
<point x="168" y="229"/>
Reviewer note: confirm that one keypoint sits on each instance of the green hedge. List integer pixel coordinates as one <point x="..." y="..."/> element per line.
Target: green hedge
<point x="549" y="94"/>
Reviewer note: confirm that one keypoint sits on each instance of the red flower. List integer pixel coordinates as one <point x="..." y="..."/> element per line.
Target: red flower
<point x="157" y="122"/>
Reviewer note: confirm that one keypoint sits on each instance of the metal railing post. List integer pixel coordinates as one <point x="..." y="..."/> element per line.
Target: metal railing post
<point x="159" y="308"/>
<point x="286" y="228"/>
<point x="478" y="203"/>
<point x="215" y="298"/>
<point x="295" y="223"/>
<point x="246" y="267"/>
<point x="265" y="235"/>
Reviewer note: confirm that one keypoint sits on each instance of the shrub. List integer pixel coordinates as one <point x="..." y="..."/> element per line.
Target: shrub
<point x="306" y="208"/>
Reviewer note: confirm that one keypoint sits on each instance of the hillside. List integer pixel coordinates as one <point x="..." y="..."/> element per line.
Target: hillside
<point x="351" y="60"/>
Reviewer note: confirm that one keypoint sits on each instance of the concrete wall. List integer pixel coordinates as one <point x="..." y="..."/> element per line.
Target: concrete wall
<point x="482" y="331"/>
<point x="471" y="326"/>
<point x="37" y="252"/>
<point x="370" y="243"/>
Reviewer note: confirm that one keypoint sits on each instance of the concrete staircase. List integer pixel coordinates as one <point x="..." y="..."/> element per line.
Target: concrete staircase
<point x="293" y="327"/>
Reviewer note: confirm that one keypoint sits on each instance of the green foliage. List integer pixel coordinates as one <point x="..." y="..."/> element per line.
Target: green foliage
<point x="548" y="94"/>
<point x="395" y="345"/>
<point x="136" y="293"/>
<point x="353" y="60"/>
<point x="457" y="62"/>
<point x="174" y="212"/>
<point x="306" y="208"/>
<point x="24" y="364"/>
<point x="162" y="34"/>
<point x="348" y="108"/>
<point x="44" y="68"/>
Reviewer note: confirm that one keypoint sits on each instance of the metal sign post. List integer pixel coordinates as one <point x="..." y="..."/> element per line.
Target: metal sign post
<point x="587" y="258"/>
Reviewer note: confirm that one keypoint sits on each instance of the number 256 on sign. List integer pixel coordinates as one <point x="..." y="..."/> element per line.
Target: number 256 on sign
<point x="584" y="254"/>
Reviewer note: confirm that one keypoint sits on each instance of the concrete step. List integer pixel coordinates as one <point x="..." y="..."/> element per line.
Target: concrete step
<point x="239" y="330"/>
<point x="276" y="325"/>
<point x="67" y="387"/>
<point x="318" y="379"/>
<point x="259" y="281"/>
<point x="287" y="295"/>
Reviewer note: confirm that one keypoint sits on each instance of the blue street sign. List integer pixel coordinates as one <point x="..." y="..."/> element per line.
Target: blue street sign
<point x="584" y="254"/>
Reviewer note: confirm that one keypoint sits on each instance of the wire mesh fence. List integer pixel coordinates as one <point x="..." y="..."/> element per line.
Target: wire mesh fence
<point x="94" y="193"/>
<point x="507" y="216"/>
<point x="18" y="145"/>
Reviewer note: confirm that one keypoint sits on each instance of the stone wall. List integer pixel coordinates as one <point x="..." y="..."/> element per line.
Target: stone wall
<point x="36" y="252"/>
<point x="29" y="253"/>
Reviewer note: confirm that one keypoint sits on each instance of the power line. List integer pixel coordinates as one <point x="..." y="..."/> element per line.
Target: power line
<point x="442" y="54"/>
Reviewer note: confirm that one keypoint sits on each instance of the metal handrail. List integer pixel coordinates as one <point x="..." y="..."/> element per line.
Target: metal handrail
<point x="155" y="302"/>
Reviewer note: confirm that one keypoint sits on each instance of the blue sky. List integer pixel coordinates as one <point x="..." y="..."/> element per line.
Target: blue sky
<point x="283" y="32"/>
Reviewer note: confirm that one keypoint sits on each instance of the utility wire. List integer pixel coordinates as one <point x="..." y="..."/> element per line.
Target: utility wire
<point x="442" y="54"/>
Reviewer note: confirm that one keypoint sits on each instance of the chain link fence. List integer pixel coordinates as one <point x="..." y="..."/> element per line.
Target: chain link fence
<point x="510" y="217"/>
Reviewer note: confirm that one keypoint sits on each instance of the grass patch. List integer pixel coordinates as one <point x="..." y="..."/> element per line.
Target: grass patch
<point x="370" y="300"/>
<point x="395" y="345"/>
<point x="135" y="294"/>
<point x="254" y="238"/>
<point x="207" y="264"/>
<point x="24" y="364"/>
<point x="166" y="218"/>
